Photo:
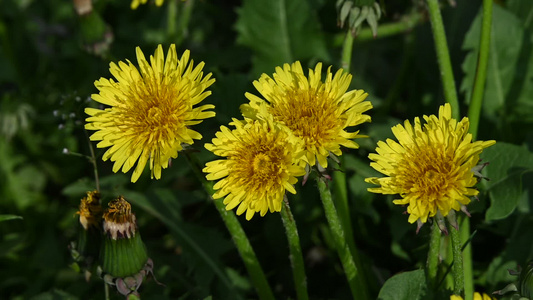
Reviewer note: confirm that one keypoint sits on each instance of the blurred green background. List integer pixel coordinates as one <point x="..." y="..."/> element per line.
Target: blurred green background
<point x="50" y="57"/>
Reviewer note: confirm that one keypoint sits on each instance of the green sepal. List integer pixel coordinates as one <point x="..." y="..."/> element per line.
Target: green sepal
<point x="124" y="256"/>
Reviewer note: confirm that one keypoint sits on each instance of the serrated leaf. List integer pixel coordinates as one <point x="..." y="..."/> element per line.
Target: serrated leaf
<point x="279" y="31"/>
<point x="505" y="45"/>
<point x="404" y="286"/>
<point x="508" y="163"/>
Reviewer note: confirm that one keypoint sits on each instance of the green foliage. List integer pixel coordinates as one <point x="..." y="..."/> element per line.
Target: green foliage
<point x="404" y="286"/>
<point x="508" y="165"/>
<point x="48" y="68"/>
<point x="280" y="32"/>
<point x="506" y="43"/>
<point x="9" y="217"/>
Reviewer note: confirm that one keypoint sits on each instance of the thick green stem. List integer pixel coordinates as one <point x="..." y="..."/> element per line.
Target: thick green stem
<point x="297" y="260"/>
<point x="347" y="47"/>
<point x="481" y="72"/>
<point x="239" y="236"/>
<point x="457" y="269"/>
<point x="433" y="255"/>
<point x="443" y="56"/>
<point x="337" y="231"/>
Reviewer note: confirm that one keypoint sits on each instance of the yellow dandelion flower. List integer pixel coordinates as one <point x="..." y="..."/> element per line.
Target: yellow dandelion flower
<point x="260" y="165"/>
<point x="151" y="110"/>
<point x="316" y="111"/>
<point x="136" y="3"/>
<point x="430" y="167"/>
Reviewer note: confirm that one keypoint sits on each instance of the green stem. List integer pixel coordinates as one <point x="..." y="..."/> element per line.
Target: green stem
<point x="406" y="24"/>
<point x="433" y="255"/>
<point x="474" y="112"/>
<point x="337" y="231"/>
<point x="106" y="291"/>
<point x="177" y="31"/>
<point x="93" y="162"/>
<point x="340" y="184"/>
<point x="347" y="47"/>
<point x="481" y="72"/>
<point x="297" y="261"/>
<point x="389" y="29"/>
<point x="237" y="233"/>
<point x="443" y="56"/>
<point x="457" y="269"/>
<point x="172" y="13"/>
<point x="464" y="228"/>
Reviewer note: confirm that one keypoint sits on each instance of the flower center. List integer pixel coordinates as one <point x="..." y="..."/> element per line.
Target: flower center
<point x="155" y="111"/>
<point x="261" y="163"/>
<point x="310" y="114"/>
<point x="428" y="171"/>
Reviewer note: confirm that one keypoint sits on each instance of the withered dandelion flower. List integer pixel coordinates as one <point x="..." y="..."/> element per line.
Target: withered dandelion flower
<point x="90" y="210"/>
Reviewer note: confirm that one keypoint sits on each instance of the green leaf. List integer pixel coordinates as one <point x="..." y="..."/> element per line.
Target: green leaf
<point x="9" y="217"/>
<point x="280" y="31"/>
<point x="404" y="286"/>
<point x="521" y="107"/>
<point x="505" y="46"/>
<point x="523" y="9"/>
<point x="508" y="163"/>
<point x="497" y="271"/>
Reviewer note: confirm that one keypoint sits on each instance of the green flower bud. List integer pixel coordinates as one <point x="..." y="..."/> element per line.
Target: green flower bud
<point x="123" y="253"/>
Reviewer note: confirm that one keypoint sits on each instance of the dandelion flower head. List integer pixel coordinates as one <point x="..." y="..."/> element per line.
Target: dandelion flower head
<point x="150" y="111"/>
<point x="316" y="111"/>
<point x="261" y="163"/>
<point x="477" y="296"/>
<point x="430" y="166"/>
<point x="136" y="3"/>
